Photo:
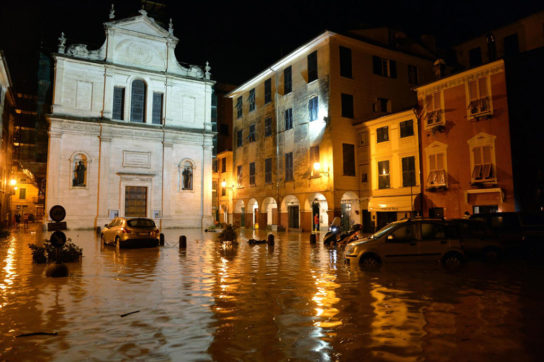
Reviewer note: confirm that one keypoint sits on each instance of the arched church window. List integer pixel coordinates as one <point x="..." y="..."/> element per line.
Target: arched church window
<point x="186" y="169"/>
<point x="79" y="170"/>
<point x="137" y="102"/>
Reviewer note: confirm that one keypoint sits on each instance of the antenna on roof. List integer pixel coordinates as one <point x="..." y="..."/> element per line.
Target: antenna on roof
<point x="112" y="13"/>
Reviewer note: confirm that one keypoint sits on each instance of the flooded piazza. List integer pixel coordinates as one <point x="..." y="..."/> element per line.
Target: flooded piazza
<point x="292" y="301"/>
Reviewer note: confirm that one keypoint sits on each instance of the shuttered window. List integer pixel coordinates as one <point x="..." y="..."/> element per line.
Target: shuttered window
<point x="348" y="153"/>
<point x="287" y="80"/>
<point x="312" y="66"/>
<point x="118" y="102"/>
<point x="157" y="108"/>
<point x="137" y="105"/>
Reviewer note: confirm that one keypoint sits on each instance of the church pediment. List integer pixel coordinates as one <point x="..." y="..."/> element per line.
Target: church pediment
<point x="142" y="25"/>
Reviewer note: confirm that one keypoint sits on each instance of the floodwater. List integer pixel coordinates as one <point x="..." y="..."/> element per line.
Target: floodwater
<point x="294" y="301"/>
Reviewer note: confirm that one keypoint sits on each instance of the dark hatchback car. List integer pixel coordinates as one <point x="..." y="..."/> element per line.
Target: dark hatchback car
<point x="131" y="233"/>
<point x="477" y="238"/>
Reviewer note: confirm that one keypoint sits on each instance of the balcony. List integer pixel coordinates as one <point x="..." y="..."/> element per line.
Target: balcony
<point x="437" y="179"/>
<point x="480" y="108"/>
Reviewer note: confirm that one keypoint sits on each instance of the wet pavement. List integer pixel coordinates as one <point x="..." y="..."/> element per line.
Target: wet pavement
<point x="293" y="301"/>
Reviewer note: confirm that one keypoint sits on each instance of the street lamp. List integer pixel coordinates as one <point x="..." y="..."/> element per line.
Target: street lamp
<point x="13" y="182"/>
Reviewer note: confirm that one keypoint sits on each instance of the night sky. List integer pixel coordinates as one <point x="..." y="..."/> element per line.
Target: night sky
<point x="240" y="38"/>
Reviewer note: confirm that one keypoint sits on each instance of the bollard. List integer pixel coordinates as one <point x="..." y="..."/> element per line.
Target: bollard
<point x="270" y="239"/>
<point x="313" y="238"/>
<point x="98" y="230"/>
<point x="182" y="242"/>
<point x="161" y="239"/>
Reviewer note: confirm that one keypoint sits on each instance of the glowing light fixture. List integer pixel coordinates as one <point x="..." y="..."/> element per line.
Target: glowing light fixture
<point x="13" y="182"/>
<point x="317" y="166"/>
<point x="224" y="184"/>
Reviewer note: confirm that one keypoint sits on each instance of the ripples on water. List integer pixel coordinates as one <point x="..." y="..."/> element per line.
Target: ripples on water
<point x="291" y="301"/>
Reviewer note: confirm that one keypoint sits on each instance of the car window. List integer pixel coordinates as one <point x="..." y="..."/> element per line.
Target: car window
<point x="432" y="231"/>
<point x="113" y="223"/>
<point x="384" y="230"/>
<point x="141" y="223"/>
<point x="403" y="234"/>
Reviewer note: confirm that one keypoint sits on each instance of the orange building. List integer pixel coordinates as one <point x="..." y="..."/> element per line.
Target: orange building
<point x="465" y="143"/>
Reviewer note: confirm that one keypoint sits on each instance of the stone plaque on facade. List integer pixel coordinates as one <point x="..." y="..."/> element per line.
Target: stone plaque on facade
<point x="136" y="159"/>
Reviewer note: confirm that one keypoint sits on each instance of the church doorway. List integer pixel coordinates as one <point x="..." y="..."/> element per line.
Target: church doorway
<point x="135" y="201"/>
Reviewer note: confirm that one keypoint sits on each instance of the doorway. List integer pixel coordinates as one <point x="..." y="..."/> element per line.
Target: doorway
<point x="385" y="218"/>
<point x="136" y="201"/>
<point x="293" y="211"/>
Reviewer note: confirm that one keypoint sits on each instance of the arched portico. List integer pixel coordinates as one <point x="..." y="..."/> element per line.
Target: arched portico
<point x="316" y="213"/>
<point x="350" y="209"/>
<point x="239" y="211"/>
<point x="269" y="212"/>
<point x="252" y="215"/>
<point x="290" y="212"/>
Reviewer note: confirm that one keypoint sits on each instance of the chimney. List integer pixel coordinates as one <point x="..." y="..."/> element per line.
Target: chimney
<point x="439" y="68"/>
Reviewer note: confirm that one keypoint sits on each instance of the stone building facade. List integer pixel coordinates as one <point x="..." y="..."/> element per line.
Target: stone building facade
<point x="130" y="131"/>
<point x="7" y="114"/>
<point x="295" y="144"/>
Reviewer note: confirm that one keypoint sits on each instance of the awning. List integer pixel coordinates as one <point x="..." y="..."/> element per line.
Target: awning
<point x="391" y="203"/>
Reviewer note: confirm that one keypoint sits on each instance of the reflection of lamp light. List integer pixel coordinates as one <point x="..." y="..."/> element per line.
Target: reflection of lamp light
<point x="15" y="187"/>
<point x="13" y="182"/>
<point x="317" y="166"/>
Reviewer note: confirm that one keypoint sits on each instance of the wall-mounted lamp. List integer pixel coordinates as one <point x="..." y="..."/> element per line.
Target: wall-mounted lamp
<point x="224" y="184"/>
<point x="13" y="182"/>
<point x="317" y="172"/>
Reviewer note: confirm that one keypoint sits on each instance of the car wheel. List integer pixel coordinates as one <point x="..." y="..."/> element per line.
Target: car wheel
<point x="370" y="262"/>
<point x="452" y="261"/>
<point x="492" y="255"/>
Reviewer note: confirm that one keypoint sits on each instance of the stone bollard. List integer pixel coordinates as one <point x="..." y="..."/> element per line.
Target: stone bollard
<point x="98" y="230"/>
<point x="313" y="238"/>
<point x="182" y="242"/>
<point x="161" y="239"/>
<point x="270" y="239"/>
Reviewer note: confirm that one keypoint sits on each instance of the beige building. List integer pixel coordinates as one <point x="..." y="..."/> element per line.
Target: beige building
<point x="389" y="167"/>
<point x="7" y="114"/>
<point x="523" y="35"/>
<point x="224" y="185"/>
<point x="24" y="200"/>
<point x="294" y="157"/>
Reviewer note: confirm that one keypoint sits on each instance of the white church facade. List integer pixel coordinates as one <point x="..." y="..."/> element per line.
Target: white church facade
<point x="130" y="132"/>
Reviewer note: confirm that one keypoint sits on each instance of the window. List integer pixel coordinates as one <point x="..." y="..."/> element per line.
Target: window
<point x="432" y="231"/>
<point x="288" y="118"/>
<point x="252" y="173"/>
<point x="22" y="194"/>
<point x="312" y="108"/>
<point x="384" y="67"/>
<point x="251" y="100"/>
<point x="187" y="176"/>
<point x="267" y="91"/>
<point x="483" y="169"/>
<point x="239" y="109"/>
<point x="312" y="66"/>
<point x="478" y="96"/>
<point x="383" y="175"/>
<point x="412" y="74"/>
<point x="475" y="57"/>
<point x="137" y="105"/>
<point x="156" y="117"/>
<point x="287" y="80"/>
<point x="118" y="103"/>
<point x="348" y="154"/>
<point x="409" y="171"/>
<point x="289" y="166"/>
<point x="364" y="177"/>
<point x="403" y="234"/>
<point x="79" y="170"/>
<point x="347" y="105"/>
<point x="239" y="138"/>
<point x="406" y="128"/>
<point x="214" y="165"/>
<point x="345" y="62"/>
<point x="511" y="45"/>
<point x="433" y="110"/>
<point x="239" y="175"/>
<point x="268" y="170"/>
<point x="268" y="127"/>
<point x="251" y="135"/>
<point x="381" y="105"/>
<point x="223" y="165"/>
<point x="382" y="134"/>
<point x="437" y="172"/>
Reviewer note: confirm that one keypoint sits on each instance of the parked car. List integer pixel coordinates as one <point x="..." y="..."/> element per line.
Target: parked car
<point x="477" y="238"/>
<point x="414" y="240"/>
<point x="518" y="232"/>
<point x="130" y="232"/>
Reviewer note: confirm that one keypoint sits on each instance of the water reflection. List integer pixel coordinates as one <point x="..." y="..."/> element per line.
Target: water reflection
<point x="291" y="301"/>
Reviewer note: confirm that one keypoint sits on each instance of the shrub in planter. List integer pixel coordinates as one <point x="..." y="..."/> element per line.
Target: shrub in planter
<point x="47" y="253"/>
<point x="228" y="234"/>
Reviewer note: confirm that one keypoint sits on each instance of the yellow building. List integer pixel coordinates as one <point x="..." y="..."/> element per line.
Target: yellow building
<point x="294" y="150"/>
<point x="389" y="167"/>
<point x="24" y="200"/>
<point x="223" y="188"/>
